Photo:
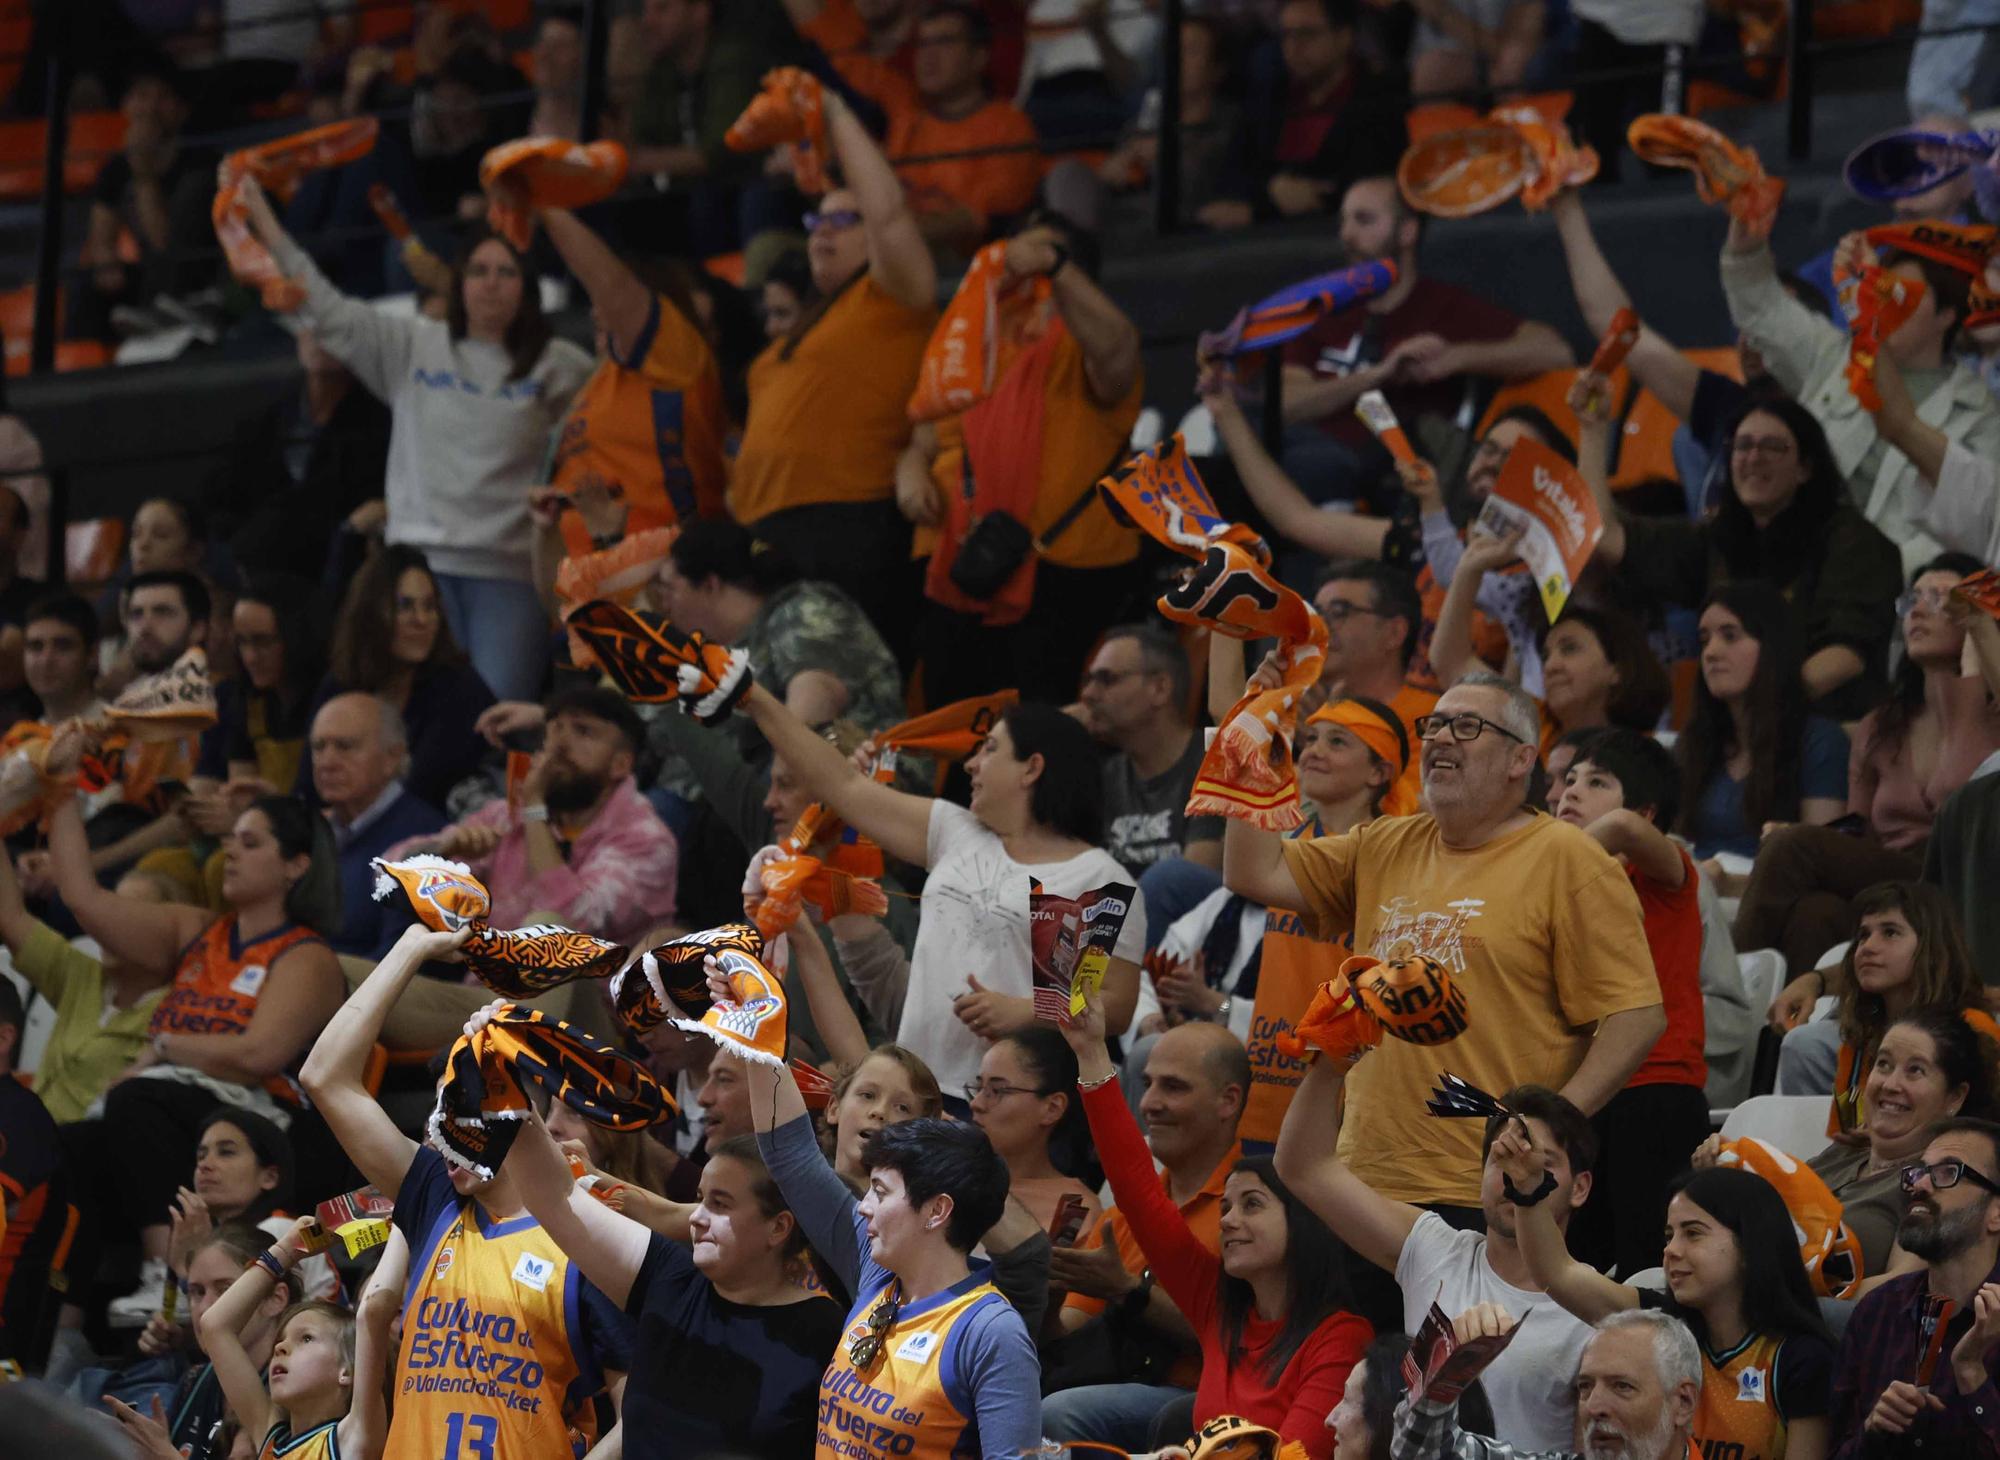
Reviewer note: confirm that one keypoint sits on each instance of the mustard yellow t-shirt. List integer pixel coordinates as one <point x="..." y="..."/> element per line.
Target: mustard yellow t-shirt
<point x="1540" y="929"/>
<point x="86" y="1051"/>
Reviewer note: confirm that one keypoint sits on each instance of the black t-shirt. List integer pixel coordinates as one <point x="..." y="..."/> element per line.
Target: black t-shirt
<point x="1147" y="821"/>
<point x="710" y="1376"/>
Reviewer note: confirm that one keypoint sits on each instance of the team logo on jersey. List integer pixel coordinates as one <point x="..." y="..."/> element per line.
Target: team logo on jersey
<point x="917" y="1347"/>
<point x="1750" y="1386"/>
<point x="534" y="1272"/>
<point x="248" y="981"/>
<point x="443" y="1263"/>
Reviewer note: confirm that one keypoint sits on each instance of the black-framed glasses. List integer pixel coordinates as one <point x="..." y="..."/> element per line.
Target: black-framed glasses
<point x="1339" y="611"/>
<point x="1105" y="678"/>
<point x="995" y="1090"/>
<point x="1463" y="727"/>
<point x="838" y="218"/>
<point x="1944" y="1175"/>
<point x="864" y="1350"/>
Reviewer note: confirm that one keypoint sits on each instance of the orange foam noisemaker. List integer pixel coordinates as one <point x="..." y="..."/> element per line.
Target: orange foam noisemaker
<point x="1516" y="151"/>
<point x="790" y="109"/>
<point x="1723" y="172"/>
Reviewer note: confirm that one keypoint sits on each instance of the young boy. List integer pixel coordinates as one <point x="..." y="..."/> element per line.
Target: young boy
<point x="324" y="1399"/>
<point x="1622" y="788"/>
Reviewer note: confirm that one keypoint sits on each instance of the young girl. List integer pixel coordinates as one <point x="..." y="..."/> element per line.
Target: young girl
<point x="1270" y="1312"/>
<point x="1734" y="1276"/>
<point x="319" y="1364"/>
<point x="1907" y="953"/>
<point x="1751" y="754"/>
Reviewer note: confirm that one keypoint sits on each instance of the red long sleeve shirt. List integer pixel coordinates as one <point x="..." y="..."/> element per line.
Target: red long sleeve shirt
<point x="1310" y="1384"/>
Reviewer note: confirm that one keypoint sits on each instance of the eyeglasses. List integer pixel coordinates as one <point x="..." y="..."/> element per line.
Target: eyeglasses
<point x="994" y="1090"/>
<point x="1932" y="599"/>
<point x="838" y="219"/>
<point x="1105" y="678"/>
<point x="1761" y="446"/>
<point x="865" y="1349"/>
<point x="1463" y="727"/>
<point x="1339" y="611"/>
<point x="1944" y="1175"/>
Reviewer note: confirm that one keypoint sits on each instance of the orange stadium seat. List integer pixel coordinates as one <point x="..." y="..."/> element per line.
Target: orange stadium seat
<point x="92" y="550"/>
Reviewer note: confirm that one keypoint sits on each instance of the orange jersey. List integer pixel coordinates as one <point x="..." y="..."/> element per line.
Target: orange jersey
<point x="912" y="1401"/>
<point x="1292" y="964"/>
<point x="1742" y="1414"/>
<point x="650" y="426"/>
<point x="219" y="980"/>
<point x="496" y="1358"/>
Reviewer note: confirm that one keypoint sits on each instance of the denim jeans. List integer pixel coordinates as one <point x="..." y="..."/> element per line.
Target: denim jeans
<point x="503" y="627"/>
<point x="1110" y="1414"/>
<point x="1171" y="887"/>
<point x="1945" y="72"/>
<point x="1809" y="1058"/>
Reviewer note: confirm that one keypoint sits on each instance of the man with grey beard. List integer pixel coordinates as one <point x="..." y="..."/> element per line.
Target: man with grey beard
<point x="1906" y="1383"/>
<point x="1638" y="1386"/>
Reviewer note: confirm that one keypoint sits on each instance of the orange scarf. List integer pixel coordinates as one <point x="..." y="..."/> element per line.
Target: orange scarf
<point x="531" y="173"/>
<point x="989" y="320"/>
<point x="277" y="166"/>
<point x="791" y="108"/>
<point x="1723" y="172"/>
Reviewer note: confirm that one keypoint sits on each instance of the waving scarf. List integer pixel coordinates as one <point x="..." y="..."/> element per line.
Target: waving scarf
<point x="750" y="1023"/>
<point x="277" y="166"/>
<point x="672" y="979"/>
<point x="1247" y="772"/>
<point x="1297" y="308"/>
<point x="482" y="1099"/>
<point x="782" y="879"/>
<point x="989" y="320"/>
<point x="1413" y="999"/>
<point x="172" y="704"/>
<point x="1723" y="172"/>
<point x="531" y="173"/>
<point x="654" y="663"/>
<point x="618" y="574"/>
<point x="791" y="108"/>
<point x="1877" y="303"/>
<point x="516" y="962"/>
<point x="1516" y="151"/>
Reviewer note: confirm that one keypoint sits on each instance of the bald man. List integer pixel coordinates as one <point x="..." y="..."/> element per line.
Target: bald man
<point x="359" y="751"/>
<point x="1197" y="1078"/>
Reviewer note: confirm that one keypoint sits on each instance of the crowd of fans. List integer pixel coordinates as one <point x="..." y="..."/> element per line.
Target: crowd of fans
<point x="1763" y="723"/>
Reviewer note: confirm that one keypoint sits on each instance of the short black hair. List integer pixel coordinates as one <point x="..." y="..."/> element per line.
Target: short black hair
<point x="1645" y="769"/>
<point x="193" y="592"/>
<point x="65" y="608"/>
<point x="1395" y="594"/>
<point x="1572" y="1128"/>
<point x="978" y="29"/>
<point x="939" y="1157"/>
<point x="268" y="1144"/>
<point x="1542" y="424"/>
<point x="1069" y="793"/>
<point x="717" y="547"/>
<point x="599" y="703"/>
<point x="1161" y="653"/>
<point x="1969" y="1125"/>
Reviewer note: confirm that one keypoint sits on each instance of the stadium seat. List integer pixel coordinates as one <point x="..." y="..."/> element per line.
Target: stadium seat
<point x="1795" y="1124"/>
<point x="1763" y="976"/>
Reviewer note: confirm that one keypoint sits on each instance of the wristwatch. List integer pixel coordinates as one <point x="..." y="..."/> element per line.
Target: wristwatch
<point x="1062" y="258"/>
<point x="1134" y="1302"/>
<point x="1536" y="1197"/>
<point x="535" y="812"/>
<point x="1221" y="1014"/>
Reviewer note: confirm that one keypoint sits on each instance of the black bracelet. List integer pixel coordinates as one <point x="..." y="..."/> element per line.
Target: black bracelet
<point x="1062" y="257"/>
<point x="1533" y="1198"/>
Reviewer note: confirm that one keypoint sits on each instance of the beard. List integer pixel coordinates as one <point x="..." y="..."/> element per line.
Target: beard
<point x="1936" y="1236"/>
<point x="569" y="792"/>
<point x="1605" y="1440"/>
<point x="149" y="657"/>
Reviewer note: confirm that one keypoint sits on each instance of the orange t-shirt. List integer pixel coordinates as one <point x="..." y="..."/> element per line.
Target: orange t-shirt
<point x="1203" y="1214"/>
<point x="1292" y="963"/>
<point x="1080" y="440"/>
<point x="1411" y="704"/>
<point x="987" y="186"/>
<point x="1673" y="932"/>
<point x="652" y="425"/>
<point x="827" y="424"/>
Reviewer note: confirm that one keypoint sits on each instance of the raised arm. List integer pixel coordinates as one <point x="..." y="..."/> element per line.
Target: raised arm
<point x="221" y="1331"/>
<point x="17" y="924"/>
<point x="1654" y="362"/>
<point x="1577" y="1286"/>
<point x="621" y="303"/>
<point x="1109" y="340"/>
<point x="1628" y="834"/>
<point x="1308" y="1160"/>
<point x="333" y="1070"/>
<point x="1253" y="860"/>
<point x="897" y="822"/>
<point x="1590" y="398"/>
<point x="1336" y="534"/>
<point x="303" y="989"/>
<point x="148" y="934"/>
<point x="1451" y="643"/>
<point x="365" y="1431"/>
<point x="839" y="1029"/>
<point x="898" y="258"/>
<point x="609" y="1248"/>
<point x="818" y="1198"/>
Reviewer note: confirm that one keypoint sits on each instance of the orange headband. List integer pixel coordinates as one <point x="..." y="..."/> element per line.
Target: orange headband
<point x="1369" y="728"/>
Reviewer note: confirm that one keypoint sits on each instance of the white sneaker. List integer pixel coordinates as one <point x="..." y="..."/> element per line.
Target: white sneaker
<point x="137" y="1307"/>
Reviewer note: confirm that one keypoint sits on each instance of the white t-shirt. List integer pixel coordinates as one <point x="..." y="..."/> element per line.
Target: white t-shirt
<point x="975" y="924"/>
<point x="1531" y="1385"/>
<point x="1644" y="23"/>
